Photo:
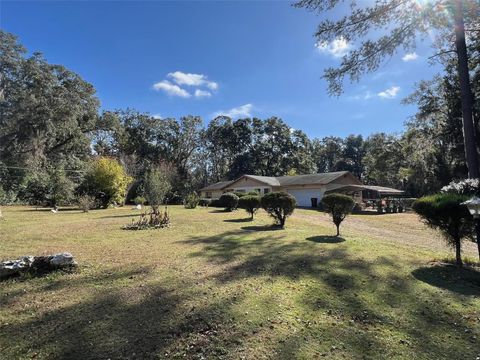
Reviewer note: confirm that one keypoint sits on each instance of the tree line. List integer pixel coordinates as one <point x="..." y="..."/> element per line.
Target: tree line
<point x="52" y="129"/>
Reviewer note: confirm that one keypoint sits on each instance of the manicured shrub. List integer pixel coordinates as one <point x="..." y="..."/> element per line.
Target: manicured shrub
<point x="240" y="193"/>
<point x="251" y="203"/>
<point x="229" y="201"/>
<point x="445" y="213"/>
<point x="191" y="201"/>
<point x="279" y="205"/>
<point x="338" y="206"/>
<point x="216" y="203"/>
<point x="205" y="202"/>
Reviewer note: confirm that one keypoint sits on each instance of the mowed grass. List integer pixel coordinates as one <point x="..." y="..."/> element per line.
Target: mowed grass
<point x="216" y="285"/>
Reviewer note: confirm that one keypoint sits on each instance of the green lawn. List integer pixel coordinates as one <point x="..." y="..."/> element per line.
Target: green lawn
<point x="216" y="285"/>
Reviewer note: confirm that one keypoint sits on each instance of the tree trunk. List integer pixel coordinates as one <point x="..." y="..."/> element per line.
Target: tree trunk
<point x="471" y="154"/>
<point x="338" y="229"/>
<point x="458" y="253"/>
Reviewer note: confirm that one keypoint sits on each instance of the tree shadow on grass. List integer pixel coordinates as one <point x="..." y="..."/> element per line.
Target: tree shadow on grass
<point x="326" y="239"/>
<point x="218" y="211"/>
<point x="262" y="228"/>
<point x="238" y="220"/>
<point x="120" y="216"/>
<point x="462" y="281"/>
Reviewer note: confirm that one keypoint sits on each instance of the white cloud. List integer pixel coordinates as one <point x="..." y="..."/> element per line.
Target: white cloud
<point x="157" y="116"/>
<point x="337" y="48"/>
<point x="410" y="57"/>
<point x="389" y="93"/>
<point x="202" y="93"/>
<point x="188" y="79"/>
<point x="171" y="89"/>
<point x="236" y="112"/>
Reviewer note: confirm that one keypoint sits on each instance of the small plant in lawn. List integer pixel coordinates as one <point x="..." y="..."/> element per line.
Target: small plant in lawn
<point x="279" y="205"/>
<point x="338" y="206"/>
<point x="152" y="220"/>
<point x="251" y="203"/>
<point x="191" y="201"/>
<point x="229" y="201"/>
<point x="86" y="202"/>
<point x="446" y="213"/>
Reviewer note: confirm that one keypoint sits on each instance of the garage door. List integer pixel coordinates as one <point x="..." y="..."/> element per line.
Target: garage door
<point x="304" y="196"/>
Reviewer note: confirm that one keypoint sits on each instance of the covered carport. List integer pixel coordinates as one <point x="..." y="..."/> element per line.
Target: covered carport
<point x="378" y="198"/>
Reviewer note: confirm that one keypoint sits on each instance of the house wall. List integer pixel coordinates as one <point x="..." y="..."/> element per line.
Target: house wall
<point x="214" y="194"/>
<point x="304" y="195"/>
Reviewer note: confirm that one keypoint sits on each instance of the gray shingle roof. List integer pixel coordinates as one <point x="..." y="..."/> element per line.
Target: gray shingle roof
<point x="217" y="186"/>
<point x="320" y="179"/>
<point x="311" y="179"/>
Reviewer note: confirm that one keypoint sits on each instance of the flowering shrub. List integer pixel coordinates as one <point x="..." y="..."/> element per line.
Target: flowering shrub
<point x="463" y="187"/>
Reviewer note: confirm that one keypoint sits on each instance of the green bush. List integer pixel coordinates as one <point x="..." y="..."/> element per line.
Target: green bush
<point x="216" y="203"/>
<point x="279" y="205"/>
<point x="338" y="206"/>
<point x="251" y="203"/>
<point x="229" y="201"/>
<point x="191" y="201"/>
<point x="205" y="202"/>
<point x="239" y="194"/>
<point x="139" y="200"/>
<point x="446" y="213"/>
<point x="107" y="181"/>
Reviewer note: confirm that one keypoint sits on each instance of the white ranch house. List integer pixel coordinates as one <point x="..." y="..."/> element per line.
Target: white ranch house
<point x="308" y="190"/>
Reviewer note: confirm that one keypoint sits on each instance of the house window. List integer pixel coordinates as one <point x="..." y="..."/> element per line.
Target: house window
<point x="208" y="194"/>
<point x="266" y="190"/>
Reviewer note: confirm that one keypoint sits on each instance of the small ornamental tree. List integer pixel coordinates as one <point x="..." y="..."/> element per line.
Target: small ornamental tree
<point x="229" y="201"/>
<point x="156" y="186"/>
<point x="338" y="206"/>
<point x="446" y="213"/>
<point x="251" y="203"/>
<point x="279" y="205"/>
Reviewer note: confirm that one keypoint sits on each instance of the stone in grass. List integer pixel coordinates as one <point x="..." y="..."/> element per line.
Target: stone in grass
<point x="15" y="267"/>
<point x="37" y="265"/>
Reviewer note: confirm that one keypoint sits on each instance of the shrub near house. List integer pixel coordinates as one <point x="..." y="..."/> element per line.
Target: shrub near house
<point x="446" y="213"/>
<point x="251" y="203"/>
<point x="229" y="201"/>
<point x="279" y="205"/>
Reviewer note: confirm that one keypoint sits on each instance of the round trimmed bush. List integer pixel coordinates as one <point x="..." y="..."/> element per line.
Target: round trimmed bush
<point x="446" y="213"/>
<point x="279" y="205"/>
<point x="338" y="206"/>
<point x="204" y="202"/>
<point x="251" y="203"/>
<point x="229" y="201"/>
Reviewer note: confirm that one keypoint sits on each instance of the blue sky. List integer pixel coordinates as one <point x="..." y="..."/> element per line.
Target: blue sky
<point x="203" y="58"/>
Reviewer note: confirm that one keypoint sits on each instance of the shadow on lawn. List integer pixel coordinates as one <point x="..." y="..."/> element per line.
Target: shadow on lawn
<point x="354" y="292"/>
<point x="351" y="301"/>
<point x="238" y="220"/>
<point x="326" y="239"/>
<point x="121" y="216"/>
<point x="462" y="281"/>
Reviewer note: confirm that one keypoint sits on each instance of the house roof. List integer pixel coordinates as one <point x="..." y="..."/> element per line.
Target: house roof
<point x="217" y="186"/>
<point x="382" y="190"/>
<point x="311" y="179"/>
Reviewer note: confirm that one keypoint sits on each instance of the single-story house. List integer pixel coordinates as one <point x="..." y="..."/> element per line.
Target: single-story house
<point x="308" y="190"/>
